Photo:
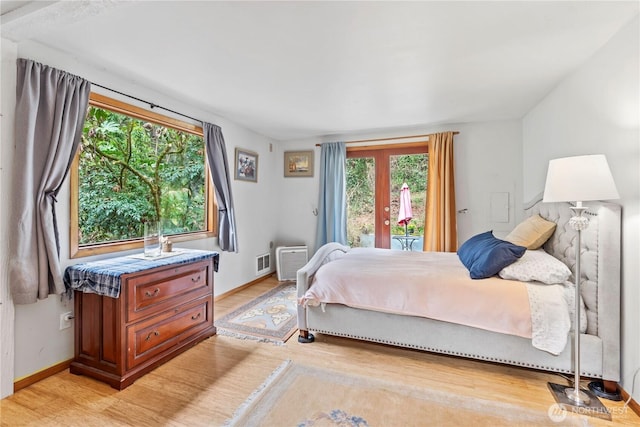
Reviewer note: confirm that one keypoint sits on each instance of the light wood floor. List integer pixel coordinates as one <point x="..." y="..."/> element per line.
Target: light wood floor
<point x="204" y="385"/>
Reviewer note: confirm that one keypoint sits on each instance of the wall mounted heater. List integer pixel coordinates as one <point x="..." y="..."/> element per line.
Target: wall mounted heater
<point x="263" y="264"/>
<point x="289" y="259"/>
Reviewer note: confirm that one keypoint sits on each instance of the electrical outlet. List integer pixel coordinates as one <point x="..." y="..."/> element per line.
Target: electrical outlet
<point x="65" y="320"/>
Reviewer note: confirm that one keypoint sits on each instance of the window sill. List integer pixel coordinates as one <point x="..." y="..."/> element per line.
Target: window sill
<point x="128" y="245"/>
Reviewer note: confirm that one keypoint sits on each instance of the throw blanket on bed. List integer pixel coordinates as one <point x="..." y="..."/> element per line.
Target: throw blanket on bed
<point x="436" y="285"/>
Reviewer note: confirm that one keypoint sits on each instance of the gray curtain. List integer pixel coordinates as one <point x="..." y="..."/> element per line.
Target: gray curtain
<point x="217" y="158"/>
<point x="51" y="106"/>
<point x="332" y="203"/>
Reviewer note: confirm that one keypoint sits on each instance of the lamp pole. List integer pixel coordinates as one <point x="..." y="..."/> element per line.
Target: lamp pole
<point x="578" y="222"/>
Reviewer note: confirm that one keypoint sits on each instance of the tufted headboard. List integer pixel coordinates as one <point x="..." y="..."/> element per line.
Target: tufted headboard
<point x="600" y="258"/>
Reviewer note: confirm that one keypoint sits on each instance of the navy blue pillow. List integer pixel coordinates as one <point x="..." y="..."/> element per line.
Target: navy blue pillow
<point x="484" y="255"/>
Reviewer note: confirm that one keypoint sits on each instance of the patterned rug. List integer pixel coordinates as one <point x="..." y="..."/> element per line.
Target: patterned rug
<point x="306" y="396"/>
<point x="272" y="317"/>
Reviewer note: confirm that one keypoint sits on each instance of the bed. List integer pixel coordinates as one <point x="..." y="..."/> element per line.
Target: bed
<point x="600" y="289"/>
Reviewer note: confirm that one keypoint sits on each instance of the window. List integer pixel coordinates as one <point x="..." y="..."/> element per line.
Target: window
<point x="134" y="166"/>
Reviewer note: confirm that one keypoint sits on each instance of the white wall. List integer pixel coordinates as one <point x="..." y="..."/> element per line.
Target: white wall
<point x="8" y="99"/>
<point x="297" y="197"/>
<point x="479" y="171"/>
<point x="38" y="341"/>
<point x="593" y="111"/>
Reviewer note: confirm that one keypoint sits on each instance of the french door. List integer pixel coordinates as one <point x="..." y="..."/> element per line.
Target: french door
<point x="374" y="178"/>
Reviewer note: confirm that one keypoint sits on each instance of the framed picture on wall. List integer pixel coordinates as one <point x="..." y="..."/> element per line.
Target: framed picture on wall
<point x="246" y="165"/>
<point x="298" y="163"/>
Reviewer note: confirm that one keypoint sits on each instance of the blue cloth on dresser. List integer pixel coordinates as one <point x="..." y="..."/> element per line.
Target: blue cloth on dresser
<point x="103" y="277"/>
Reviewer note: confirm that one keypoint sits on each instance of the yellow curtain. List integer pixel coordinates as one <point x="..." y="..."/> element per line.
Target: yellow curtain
<point x="440" y="231"/>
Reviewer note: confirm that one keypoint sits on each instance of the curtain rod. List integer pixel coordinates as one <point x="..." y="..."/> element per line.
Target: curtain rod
<point x="151" y="104"/>
<point x="387" y="139"/>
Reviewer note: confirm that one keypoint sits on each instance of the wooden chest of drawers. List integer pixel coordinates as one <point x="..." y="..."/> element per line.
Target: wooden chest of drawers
<point x="160" y="312"/>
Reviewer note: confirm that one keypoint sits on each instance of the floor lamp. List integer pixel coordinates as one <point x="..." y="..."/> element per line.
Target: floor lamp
<point x="578" y="179"/>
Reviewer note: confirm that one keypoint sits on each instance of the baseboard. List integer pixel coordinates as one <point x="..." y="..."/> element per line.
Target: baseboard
<point x="40" y="375"/>
<point x="635" y="407"/>
<point x="242" y="287"/>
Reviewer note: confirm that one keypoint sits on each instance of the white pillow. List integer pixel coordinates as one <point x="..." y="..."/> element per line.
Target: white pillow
<point x="537" y="266"/>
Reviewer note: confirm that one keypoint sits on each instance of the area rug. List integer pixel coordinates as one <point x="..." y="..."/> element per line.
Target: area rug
<point x="272" y="317"/>
<point x="305" y="396"/>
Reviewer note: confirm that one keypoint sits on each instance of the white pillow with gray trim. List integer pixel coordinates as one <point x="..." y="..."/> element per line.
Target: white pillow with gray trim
<point x="537" y="266"/>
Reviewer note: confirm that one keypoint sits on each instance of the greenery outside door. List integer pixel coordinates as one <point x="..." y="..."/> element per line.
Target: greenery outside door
<point x="374" y="178"/>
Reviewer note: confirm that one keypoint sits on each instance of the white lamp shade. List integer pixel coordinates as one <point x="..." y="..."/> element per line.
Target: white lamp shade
<point x="579" y="179"/>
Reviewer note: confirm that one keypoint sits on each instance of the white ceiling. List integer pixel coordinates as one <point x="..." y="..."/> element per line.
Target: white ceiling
<point x="292" y="70"/>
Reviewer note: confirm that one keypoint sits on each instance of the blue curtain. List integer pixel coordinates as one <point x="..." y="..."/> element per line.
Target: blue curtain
<point x="219" y="167"/>
<point x="332" y="203"/>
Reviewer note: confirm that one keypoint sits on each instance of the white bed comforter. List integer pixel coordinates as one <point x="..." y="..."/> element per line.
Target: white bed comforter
<point x="436" y="285"/>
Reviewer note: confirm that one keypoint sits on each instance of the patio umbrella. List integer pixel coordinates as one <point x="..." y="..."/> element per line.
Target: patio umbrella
<point x="405" y="214"/>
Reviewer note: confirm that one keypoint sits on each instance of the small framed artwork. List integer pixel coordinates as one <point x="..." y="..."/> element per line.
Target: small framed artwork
<point x="298" y="163"/>
<point x="246" y="165"/>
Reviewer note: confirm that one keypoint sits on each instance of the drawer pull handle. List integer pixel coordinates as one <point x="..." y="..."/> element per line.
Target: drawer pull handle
<point x="152" y="294"/>
<point x="195" y="279"/>
<point x="154" y="333"/>
<point x="196" y="316"/>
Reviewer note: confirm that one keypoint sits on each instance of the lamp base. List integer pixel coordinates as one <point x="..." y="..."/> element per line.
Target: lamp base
<point x="588" y="405"/>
